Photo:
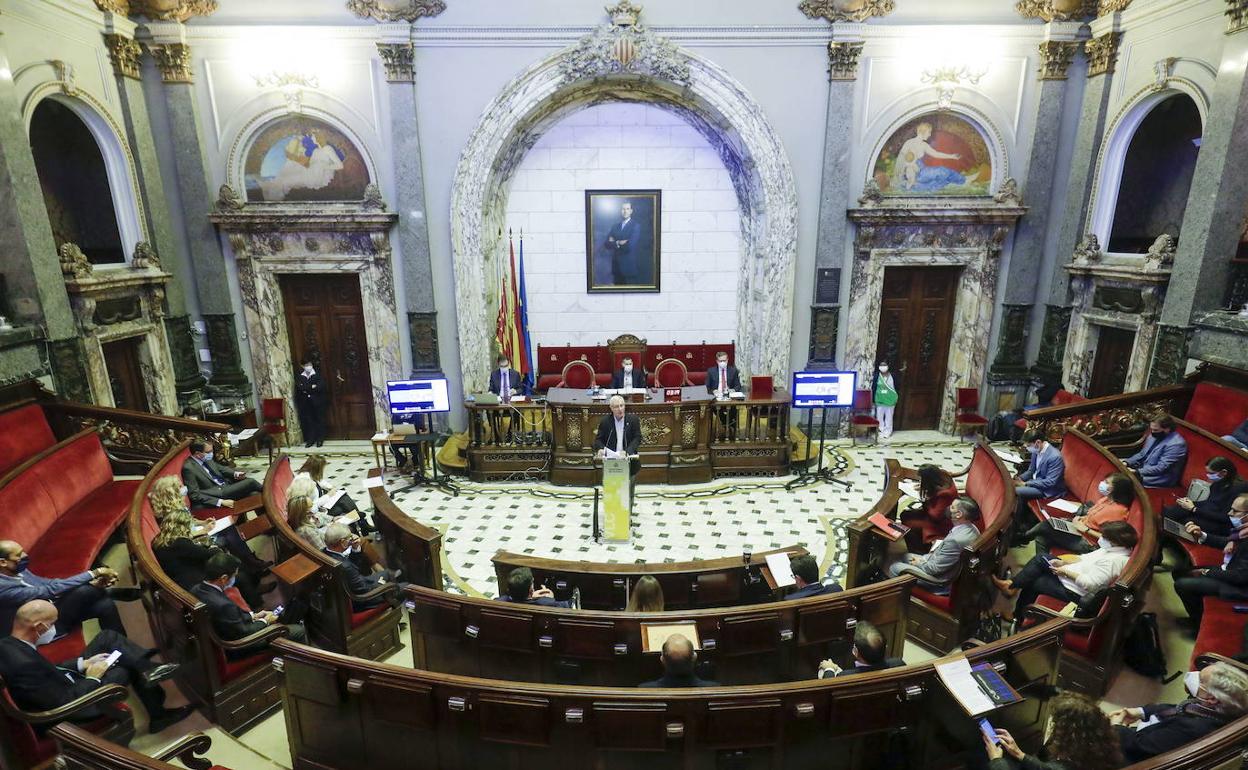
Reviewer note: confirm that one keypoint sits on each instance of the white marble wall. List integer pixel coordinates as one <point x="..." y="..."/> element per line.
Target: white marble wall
<point x="634" y="146"/>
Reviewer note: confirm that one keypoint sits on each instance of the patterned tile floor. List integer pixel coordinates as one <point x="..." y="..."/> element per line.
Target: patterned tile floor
<point x="670" y="523"/>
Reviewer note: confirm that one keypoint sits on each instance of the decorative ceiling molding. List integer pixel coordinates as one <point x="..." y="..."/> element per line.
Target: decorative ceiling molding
<point x="625" y="47"/>
<point x="124" y="53"/>
<point x="843" y="60"/>
<point x="1055" y="58"/>
<point x="395" y="10"/>
<point x="167" y="10"/>
<point x="1056" y="10"/>
<point x="397" y="60"/>
<point x="846" y="10"/>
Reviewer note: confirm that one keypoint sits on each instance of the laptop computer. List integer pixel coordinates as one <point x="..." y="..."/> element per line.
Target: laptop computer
<point x="1176" y="528"/>
<point x="1064" y="525"/>
<point x="402" y="429"/>
<point x="486" y="399"/>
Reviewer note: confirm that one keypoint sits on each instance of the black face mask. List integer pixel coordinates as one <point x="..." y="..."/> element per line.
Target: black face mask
<point x="1158" y="433"/>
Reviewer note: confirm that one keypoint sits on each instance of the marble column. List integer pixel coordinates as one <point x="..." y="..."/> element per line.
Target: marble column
<point x="125" y="53"/>
<point x="173" y="58"/>
<point x="835" y="197"/>
<point x="1214" y="217"/>
<point x="1102" y="53"/>
<point x="412" y="235"/>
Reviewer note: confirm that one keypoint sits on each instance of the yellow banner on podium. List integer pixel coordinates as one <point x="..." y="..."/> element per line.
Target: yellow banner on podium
<point x="616" y="500"/>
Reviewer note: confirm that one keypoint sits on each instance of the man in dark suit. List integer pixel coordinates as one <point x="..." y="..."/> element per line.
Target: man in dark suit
<point x="1219" y="695"/>
<point x="679" y="659"/>
<point x="339" y="545"/>
<point x="869" y="651"/>
<point x="211" y="486"/>
<point x="621" y="244"/>
<point x="628" y="376"/>
<point x="620" y="433"/>
<point x="521" y="591"/>
<point x="722" y="378"/>
<point x="36" y="684"/>
<point x="311" y="400"/>
<point x="504" y="381"/>
<point x="806" y="577"/>
<point x="229" y="620"/>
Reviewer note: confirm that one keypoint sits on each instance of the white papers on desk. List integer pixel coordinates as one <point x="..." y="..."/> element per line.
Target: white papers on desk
<point x="381" y="436"/>
<point x="325" y="502"/>
<point x="1069" y="506"/>
<point x="220" y="525"/>
<point x="736" y="394"/>
<point x="243" y="435"/>
<point x="781" y="570"/>
<point x="518" y="399"/>
<point x="1007" y="455"/>
<point x="962" y="685"/>
<point x="611" y="454"/>
<point x="630" y="391"/>
<point x="909" y="488"/>
<point x="373" y="481"/>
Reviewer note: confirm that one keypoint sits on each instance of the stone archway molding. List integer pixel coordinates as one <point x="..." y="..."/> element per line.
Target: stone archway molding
<point x="624" y="61"/>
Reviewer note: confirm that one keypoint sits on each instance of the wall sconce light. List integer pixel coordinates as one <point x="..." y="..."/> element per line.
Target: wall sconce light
<point x="290" y="84"/>
<point x="947" y="78"/>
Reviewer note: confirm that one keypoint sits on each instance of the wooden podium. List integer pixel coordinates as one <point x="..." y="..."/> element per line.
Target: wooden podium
<point x="617" y="500"/>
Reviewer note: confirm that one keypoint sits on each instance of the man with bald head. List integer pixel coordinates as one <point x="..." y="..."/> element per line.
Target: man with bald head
<point x="36" y="684"/>
<point x="679" y="659"/>
<point x="88" y="594"/>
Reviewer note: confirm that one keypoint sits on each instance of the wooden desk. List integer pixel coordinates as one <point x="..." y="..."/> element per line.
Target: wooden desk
<point x="381" y="450"/>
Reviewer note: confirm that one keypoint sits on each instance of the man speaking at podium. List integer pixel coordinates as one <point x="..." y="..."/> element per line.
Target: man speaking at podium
<point x="619" y="434"/>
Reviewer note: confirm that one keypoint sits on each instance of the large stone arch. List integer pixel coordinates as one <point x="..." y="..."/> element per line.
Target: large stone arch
<point x="626" y="62"/>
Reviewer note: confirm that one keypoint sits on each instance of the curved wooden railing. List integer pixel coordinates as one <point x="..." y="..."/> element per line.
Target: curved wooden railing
<point x="413" y="547"/>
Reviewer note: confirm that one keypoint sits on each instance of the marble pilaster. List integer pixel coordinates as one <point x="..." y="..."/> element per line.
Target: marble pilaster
<point x="1169" y="362"/>
<point x="69" y="369"/>
<point x="422" y="329"/>
<point x="1052" y="341"/>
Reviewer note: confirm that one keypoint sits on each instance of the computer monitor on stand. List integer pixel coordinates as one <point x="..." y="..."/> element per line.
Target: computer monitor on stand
<point x="417" y="402"/>
<point x="821" y="391"/>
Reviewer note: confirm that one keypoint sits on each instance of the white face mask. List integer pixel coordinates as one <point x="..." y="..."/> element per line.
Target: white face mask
<point x="182" y="490"/>
<point x="883" y="370"/>
<point x="1103" y="543"/>
<point x="1191" y="681"/>
<point x="503" y="367"/>
<point x="46" y="637"/>
<point x="207" y="456"/>
<point x="1103" y="488"/>
<point x="307" y="370"/>
<point x="628" y="367"/>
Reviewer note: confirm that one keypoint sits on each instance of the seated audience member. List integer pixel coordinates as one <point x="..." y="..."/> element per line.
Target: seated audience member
<point x="1071" y="581"/>
<point x="1210" y="514"/>
<point x="310" y="525"/>
<point x="340" y="544"/>
<point x="37" y="684"/>
<point x="1117" y="493"/>
<point x="628" y="376"/>
<point x="183" y="559"/>
<point x="230" y="621"/>
<point x="1159" y="463"/>
<point x="1080" y="737"/>
<point x="647" y="596"/>
<point x="1045" y="477"/>
<point x="1219" y="694"/>
<point x="168" y="496"/>
<point x="806" y="576"/>
<point x="937" y="491"/>
<point x="1239" y="436"/>
<point x="520" y="590"/>
<point x="679" y="659"/>
<point x="211" y="486"/>
<point x="504" y="381"/>
<point x="1228" y="581"/>
<point x="89" y="594"/>
<point x="869" y="651"/>
<point x="344" y="506"/>
<point x="937" y="569"/>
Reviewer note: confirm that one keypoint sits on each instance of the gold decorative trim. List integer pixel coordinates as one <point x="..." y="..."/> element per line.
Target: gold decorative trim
<point x="1236" y="16"/>
<point x="1102" y="53"/>
<point x="389" y="10"/>
<point x="1055" y="58"/>
<point x="1056" y="10"/>
<point x="846" y="10"/>
<point x="124" y="53"/>
<point x="174" y="62"/>
<point x="397" y="59"/>
<point x="171" y="10"/>
<point x="843" y="60"/>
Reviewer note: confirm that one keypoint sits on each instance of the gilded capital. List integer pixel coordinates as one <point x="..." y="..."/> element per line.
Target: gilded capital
<point x="124" y="53"/>
<point x="119" y="7"/>
<point x="1102" y="52"/>
<point x="171" y="10"/>
<point x="843" y="60"/>
<point x="174" y="62"/>
<point x="846" y="10"/>
<point x="397" y="59"/>
<point x="1106" y="7"/>
<point x="1236" y="16"/>
<point x="1055" y="58"/>
<point x="395" y="10"/>
<point x="1056" y="10"/>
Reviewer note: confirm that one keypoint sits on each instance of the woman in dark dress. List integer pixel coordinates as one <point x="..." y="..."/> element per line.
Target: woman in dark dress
<point x="1210" y="514"/>
<point x="183" y="559"/>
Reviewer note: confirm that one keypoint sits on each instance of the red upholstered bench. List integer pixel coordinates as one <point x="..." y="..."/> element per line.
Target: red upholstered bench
<point x="1087" y="464"/>
<point x="1221" y="629"/>
<point x="24" y="433"/>
<point x="1217" y="408"/>
<point x="1202" y="446"/>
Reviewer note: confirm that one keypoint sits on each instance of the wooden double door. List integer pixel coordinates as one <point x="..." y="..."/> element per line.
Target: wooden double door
<point x="325" y="323"/>
<point x="916" y="322"/>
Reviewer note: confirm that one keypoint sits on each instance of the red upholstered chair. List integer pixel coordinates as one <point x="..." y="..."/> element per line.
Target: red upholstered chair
<point x="273" y="417"/>
<point x="23" y="745"/>
<point x="576" y="374"/>
<point x="671" y="373"/>
<point x="862" y="420"/>
<point x="968" y="421"/>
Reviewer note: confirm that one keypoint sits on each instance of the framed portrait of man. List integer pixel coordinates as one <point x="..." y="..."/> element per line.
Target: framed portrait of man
<point x="622" y="245"/>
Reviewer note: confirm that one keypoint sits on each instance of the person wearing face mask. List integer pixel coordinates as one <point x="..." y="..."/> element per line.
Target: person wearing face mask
<point x="722" y="378"/>
<point x="884" y="396"/>
<point x="1072" y="581"/>
<point x="1210" y="514"/>
<point x="1229" y="581"/>
<point x="1116" y="495"/>
<point x="504" y="381"/>
<point x="340" y="544"/>
<point x="937" y="569"/>
<point x="1045" y="477"/>
<point x="37" y="684"/>
<point x="231" y="620"/>
<point x="183" y="558"/>
<point x="168" y="496"/>
<point x="209" y="485"/>
<point x="89" y="594"/>
<point x="1079" y="737"/>
<point x="311" y="401"/>
<point x="1219" y="694"/>
<point x="628" y="375"/>
<point x="1159" y="463"/>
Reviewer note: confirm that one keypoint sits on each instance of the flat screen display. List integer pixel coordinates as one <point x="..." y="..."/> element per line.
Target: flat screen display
<point x="418" y="396"/>
<point x="812" y="390"/>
